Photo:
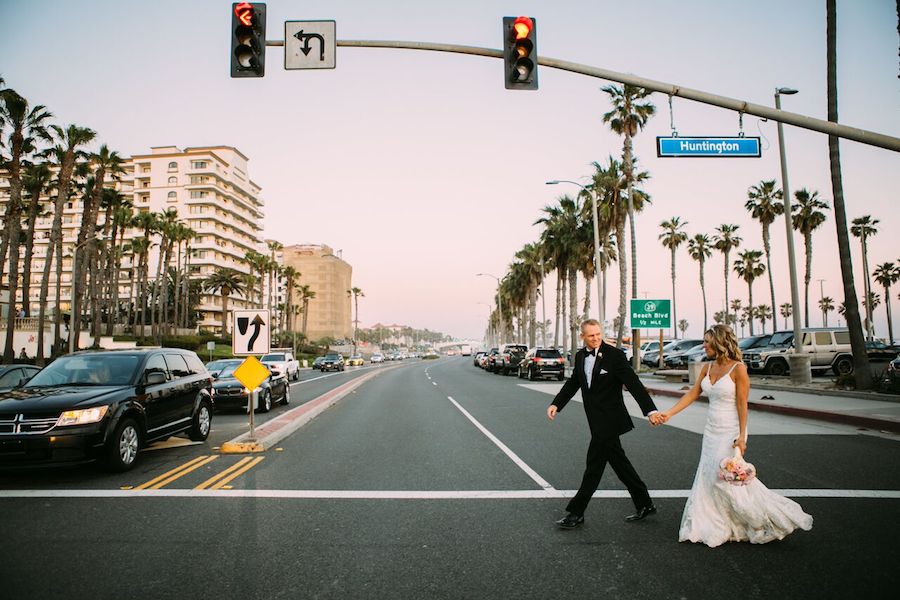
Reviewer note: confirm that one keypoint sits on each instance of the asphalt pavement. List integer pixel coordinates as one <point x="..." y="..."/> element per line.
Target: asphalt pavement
<point x="439" y="480"/>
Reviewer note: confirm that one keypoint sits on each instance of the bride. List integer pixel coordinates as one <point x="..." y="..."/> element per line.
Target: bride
<point x="717" y="511"/>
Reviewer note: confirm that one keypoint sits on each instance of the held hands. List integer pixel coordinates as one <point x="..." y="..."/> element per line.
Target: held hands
<point x="658" y="419"/>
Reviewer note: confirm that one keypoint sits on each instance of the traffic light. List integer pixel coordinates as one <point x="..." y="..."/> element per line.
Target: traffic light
<point x="248" y="39"/>
<point x="520" y="53"/>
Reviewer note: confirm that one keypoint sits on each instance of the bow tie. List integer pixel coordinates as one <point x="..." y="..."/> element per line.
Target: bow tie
<point x="594" y="352"/>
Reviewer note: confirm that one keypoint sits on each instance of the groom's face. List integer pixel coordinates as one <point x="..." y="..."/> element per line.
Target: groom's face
<point x="591" y="336"/>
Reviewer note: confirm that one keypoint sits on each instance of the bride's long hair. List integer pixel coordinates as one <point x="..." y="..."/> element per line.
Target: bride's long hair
<point x="721" y="339"/>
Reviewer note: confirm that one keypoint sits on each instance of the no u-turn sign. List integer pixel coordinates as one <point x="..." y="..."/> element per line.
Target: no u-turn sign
<point x="250" y="332"/>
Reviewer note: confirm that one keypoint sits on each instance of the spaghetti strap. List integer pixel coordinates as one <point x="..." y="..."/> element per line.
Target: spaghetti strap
<point x="730" y="370"/>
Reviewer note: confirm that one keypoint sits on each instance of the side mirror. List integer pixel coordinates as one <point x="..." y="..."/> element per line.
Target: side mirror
<point x="156" y="378"/>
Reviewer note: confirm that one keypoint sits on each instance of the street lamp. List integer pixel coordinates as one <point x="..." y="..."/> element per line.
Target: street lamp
<point x="490" y="325"/>
<point x="499" y="306"/>
<point x="600" y="307"/>
<point x="796" y="376"/>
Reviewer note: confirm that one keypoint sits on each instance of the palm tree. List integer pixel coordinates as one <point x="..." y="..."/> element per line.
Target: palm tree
<point x="699" y="250"/>
<point x="273" y="270"/>
<point x="671" y="238"/>
<point x="559" y="237"/>
<point x="682" y="326"/>
<point x="761" y="202"/>
<point x="862" y="374"/>
<point x="763" y="313"/>
<point x="807" y="217"/>
<point x="306" y="294"/>
<point x="725" y="240"/>
<point x="225" y="282"/>
<point x="887" y="274"/>
<point x="870" y="304"/>
<point x="355" y="293"/>
<point x="864" y="228"/>
<point x="148" y="223"/>
<point x="64" y="155"/>
<point x="35" y="180"/>
<point x="259" y="263"/>
<point x="291" y="280"/>
<point x="826" y="305"/>
<point x="26" y="127"/>
<point x="748" y="268"/>
<point x="786" y="310"/>
<point x="530" y="273"/>
<point x="735" y="307"/>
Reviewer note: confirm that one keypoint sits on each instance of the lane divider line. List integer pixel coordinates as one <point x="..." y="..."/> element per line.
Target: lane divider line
<point x="503" y="447"/>
<point x="239" y="468"/>
<point x="827" y="494"/>
<point x="176" y="472"/>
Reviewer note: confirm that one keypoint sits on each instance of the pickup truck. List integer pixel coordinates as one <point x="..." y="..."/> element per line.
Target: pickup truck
<point x="509" y="357"/>
<point x="283" y="361"/>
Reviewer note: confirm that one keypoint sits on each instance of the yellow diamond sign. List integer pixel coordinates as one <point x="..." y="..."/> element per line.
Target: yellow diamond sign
<point x="251" y="373"/>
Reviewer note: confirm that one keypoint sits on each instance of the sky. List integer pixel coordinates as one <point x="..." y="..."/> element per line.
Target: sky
<point x="423" y="170"/>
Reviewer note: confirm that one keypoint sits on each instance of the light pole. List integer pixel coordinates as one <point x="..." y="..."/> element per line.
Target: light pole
<point x="600" y="308"/>
<point x="499" y="307"/>
<point x="800" y="370"/>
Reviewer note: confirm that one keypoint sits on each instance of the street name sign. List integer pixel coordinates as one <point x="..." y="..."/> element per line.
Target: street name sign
<point x="250" y="332"/>
<point x="651" y="314"/>
<point x="251" y="373"/>
<point x="309" y="44"/>
<point x="708" y="147"/>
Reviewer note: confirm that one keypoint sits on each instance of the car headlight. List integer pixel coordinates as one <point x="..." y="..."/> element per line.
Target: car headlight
<point x="82" y="417"/>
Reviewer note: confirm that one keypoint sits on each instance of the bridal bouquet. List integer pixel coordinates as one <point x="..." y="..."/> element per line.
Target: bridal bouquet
<point x="735" y="470"/>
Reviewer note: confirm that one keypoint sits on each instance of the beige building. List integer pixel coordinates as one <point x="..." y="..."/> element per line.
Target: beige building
<point x="211" y="191"/>
<point x="329" y="277"/>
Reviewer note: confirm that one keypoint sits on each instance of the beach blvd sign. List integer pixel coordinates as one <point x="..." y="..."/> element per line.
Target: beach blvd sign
<point x="651" y="314"/>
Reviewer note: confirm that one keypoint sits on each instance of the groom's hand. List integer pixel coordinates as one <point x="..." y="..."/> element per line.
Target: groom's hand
<point x="551" y="412"/>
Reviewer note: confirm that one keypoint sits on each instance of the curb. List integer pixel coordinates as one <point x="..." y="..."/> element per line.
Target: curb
<point x="271" y="432"/>
<point x="832" y="417"/>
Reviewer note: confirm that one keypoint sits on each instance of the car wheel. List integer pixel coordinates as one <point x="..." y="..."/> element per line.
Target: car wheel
<point x="531" y="376"/>
<point x="776" y="367"/>
<point x="122" y="449"/>
<point x="202" y="422"/>
<point x="287" y="394"/>
<point x="843" y="366"/>
<point x="265" y="403"/>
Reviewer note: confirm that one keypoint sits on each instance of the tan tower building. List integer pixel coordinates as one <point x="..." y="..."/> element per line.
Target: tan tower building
<point x="329" y="277"/>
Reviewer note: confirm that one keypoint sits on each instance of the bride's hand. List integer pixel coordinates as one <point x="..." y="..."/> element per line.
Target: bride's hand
<point x="742" y="444"/>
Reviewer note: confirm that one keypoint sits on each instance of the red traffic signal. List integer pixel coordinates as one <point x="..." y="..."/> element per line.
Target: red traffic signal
<point x="520" y="53"/>
<point x="248" y="39"/>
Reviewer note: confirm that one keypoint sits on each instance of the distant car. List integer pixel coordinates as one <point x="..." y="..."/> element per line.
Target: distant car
<point x="542" y="362"/>
<point x="477" y="357"/>
<point x="317" y="364"/>
<point x="651" y="359"/>
<point x="892" y="375"/>
<point x="228" y="392"/>
<point x="105" y="405"/>
<point x="332" y="361"/>
<point x="355" y="360"/>
<point x="878" y="351"/>
<point x="217" y="365"/>
<point x="377" y="358"/>
<point x="12" y="376"/>
<point x="283" y="361"/>
<point x="509" y="357"/>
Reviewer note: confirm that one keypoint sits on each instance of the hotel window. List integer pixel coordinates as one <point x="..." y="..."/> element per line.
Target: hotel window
<point x="173" y="166"/>
<point x="197" y="194"/>
<point x="173" y="197"/>
<point x="173" y="181"/>
<point x="198" y="164"/>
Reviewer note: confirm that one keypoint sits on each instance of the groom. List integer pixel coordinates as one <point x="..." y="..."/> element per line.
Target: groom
<point x="600" y="371"/>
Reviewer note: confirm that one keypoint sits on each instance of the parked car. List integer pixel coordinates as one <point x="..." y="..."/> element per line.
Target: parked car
<point x="542" y="362"/>
<point x="12" y="376"/>
<point x="228" y="392"/>
<point x="332" y="361"/>
<point x="377" y="358"/>
<point x="317" y="364"/>
<point x="892" y="375"/>
<point x="217" y="365"/>
<point x="827" y="347"/>
<point x="283" y="361"/>
<point x="490" y="358"/>
<point x="105" y="405"/>
<point x="758" y="359"/>
<point x="645" y="348"/>
<point x="878" y="350"/>
<point x="477" y="357"/>
<point x="508" y="358"/>
<point x="651" y="359"/>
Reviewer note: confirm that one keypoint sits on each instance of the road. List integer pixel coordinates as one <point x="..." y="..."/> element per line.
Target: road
<point x="436" y="479"/>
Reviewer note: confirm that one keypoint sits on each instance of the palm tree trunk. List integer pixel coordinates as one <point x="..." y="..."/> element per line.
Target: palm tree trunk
<point x="674" y="312"/>
<point x="623" y="278"/>
<point x="564" y="323"/>
<point x="867" y="287"/>
<point x="557" y="309"/>
<point x="573" y="311"/>
<point x="750" y="311"/>
<point x="887" y="307"/>
<point x="727" y="299"/>
<point x="807" y="243"/>
<point x="703" y="291"/>
<point x="9" y="353"/>
<point x="767" y="247"/>
<point x="587" y="296"/>
<point x="224" y="313"/>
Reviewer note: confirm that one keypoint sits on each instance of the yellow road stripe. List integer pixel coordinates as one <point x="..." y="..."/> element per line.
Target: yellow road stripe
<point x="183" y="472"/>
<point x="239" y="468"/>
<point x="144" y="486"/>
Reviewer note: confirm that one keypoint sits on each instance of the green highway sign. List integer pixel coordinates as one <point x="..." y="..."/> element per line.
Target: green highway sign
<point x="651" y="314"/>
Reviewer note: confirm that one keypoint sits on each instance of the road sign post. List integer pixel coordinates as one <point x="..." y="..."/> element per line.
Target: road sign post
<point x="251" y="373"/>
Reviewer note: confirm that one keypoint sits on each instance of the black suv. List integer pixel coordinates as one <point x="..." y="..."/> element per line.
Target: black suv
<point x="105" y="405"/>
<point x="543" y="362"/>
<point x="332" y="361"/>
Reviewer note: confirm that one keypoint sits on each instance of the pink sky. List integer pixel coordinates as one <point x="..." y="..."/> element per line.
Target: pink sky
<point x="423" y="170"/>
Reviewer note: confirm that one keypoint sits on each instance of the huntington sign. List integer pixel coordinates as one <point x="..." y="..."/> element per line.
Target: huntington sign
<point x="651" y="314"/>
<point x="708" y="147"/>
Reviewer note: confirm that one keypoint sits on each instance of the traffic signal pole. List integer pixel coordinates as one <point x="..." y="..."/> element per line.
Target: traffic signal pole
<point x="855" y="134"/>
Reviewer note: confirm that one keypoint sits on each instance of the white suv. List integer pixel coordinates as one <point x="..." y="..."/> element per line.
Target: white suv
<point x="828" y="348"/>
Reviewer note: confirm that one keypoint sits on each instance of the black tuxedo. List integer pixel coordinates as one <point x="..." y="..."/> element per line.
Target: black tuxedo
<point x="608" y="419"/>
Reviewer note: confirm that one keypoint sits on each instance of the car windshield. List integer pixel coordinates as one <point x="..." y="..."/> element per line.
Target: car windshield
<point x="781" y="339"/>
<point x="548" y="354"/>
<point x="334" y="356"/>
<point x="272" y="358"/>
<point x="100" y="369"/>
<point x="751" y="342"/>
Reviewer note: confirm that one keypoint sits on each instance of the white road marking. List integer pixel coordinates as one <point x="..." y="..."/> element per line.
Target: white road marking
<point x="693" y="418"/>
<point x="512" y="455"/>
<point x="414" y="495"/>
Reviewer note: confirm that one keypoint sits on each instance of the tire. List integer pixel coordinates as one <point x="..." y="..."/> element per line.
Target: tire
<point x="776" y="367"/>
<point x="531" y="376"/>
<point x="287" y="394"/>
<point x="561" y="376"/>
<point x="264" y="404"/>
<point x="201" y="424"/>
<point x="843" y="366"/>
<point x="123" y="447"/>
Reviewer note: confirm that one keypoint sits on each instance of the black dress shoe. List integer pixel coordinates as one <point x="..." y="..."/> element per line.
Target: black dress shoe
<point x="570" y="521"/>
<point x="642" y="513"/>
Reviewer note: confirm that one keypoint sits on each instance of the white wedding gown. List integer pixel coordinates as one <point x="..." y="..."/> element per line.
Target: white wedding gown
<point x="716" y="511"/>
